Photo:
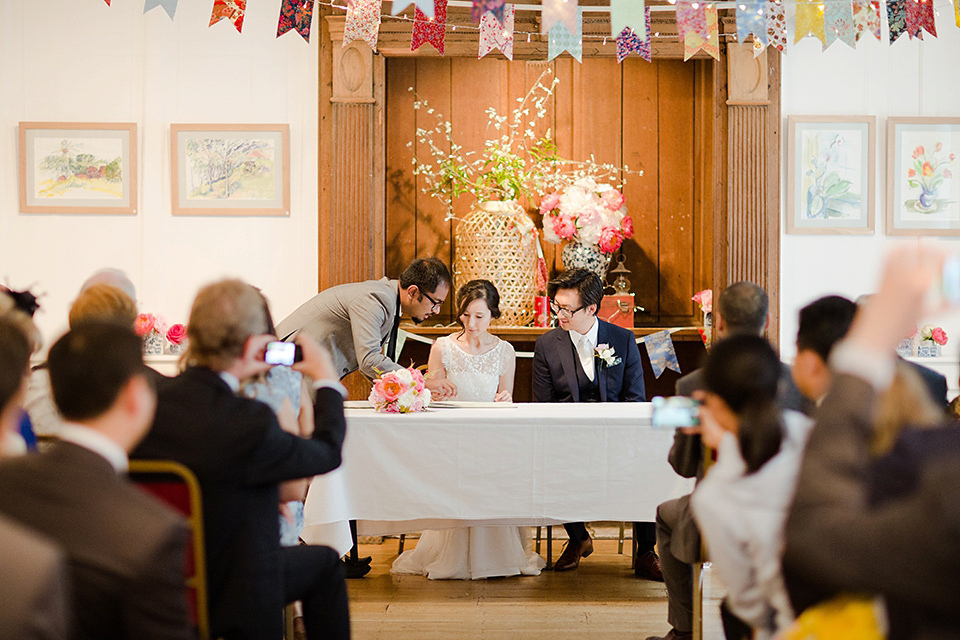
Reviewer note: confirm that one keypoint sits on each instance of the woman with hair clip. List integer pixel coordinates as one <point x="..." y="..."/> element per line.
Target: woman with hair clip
<point x="741" y="505"/>
<point x="481" y="367"/>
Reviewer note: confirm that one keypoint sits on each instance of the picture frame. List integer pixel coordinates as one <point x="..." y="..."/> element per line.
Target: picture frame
<point x="78" y="167"/>
<point x="923" y="176"/>
<point x="831" y="174"/>
<point x="230" y="169"/>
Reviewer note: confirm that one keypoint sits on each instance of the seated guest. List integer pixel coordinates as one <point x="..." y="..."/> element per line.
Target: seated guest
<point x="741" y="504"/>
<point x="905" y="548"/>
<point x="823" y="322"/>
<point x="240" y="454"/>
<point x="16" y="308"/>
<point x="112" y="277"/>
<point x="125" y="550"/>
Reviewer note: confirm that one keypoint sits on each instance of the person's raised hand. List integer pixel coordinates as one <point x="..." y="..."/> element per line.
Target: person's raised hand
<point x="250" y="362"/>
<point x="316" y="362"/>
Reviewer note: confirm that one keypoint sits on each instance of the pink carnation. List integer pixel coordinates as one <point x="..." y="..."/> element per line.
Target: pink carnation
<point x="549" y="203"/>
<point x="613" y="199"/>
<point x="627" y="227"/>
<point x="564" y="227"/>
<point x="939" y="336"/>
<point x="176" y="333"/>
<point x="144" y="324"/>
<point x="610" y="240"/>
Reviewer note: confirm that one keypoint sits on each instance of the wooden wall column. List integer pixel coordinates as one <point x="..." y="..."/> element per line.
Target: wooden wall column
<point x="752" y="248"/>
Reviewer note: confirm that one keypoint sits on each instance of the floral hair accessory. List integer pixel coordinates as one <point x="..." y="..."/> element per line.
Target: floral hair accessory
<point x="400" y="391"/>
<point x="607" y="355"/>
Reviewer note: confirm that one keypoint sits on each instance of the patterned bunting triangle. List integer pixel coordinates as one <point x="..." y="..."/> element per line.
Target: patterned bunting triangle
<point x="809" y="21"/>
<point x="430" y="30"/>
<point x="751" y="19"/>
<point x="481" y="7"/>
<point x="866" y="17"/>
<point x="697" y="28"/>
<point x="776" y="28"/>
<point x="627" y="13"/>
<point x="561" y="40"/>
<point x="497" y="35"/>
<point x="956" y="11"/>
<point x="426" y="6"/>
<point x="363" y="22"/>
<point x="629" y="42"/>
<point x="565" y="12"/>
<point x="896" y="18"/>
<point x="838" y="23"/>
<point x="661" y="352"/>
<point x="920" y="17"/>
<point x="232" y="10"/>
<point x="296" y="14"/>
<point x="170" y="6"/>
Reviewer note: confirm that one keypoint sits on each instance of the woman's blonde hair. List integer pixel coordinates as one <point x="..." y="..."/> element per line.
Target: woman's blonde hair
<point x="906" y="402"/>
<point x="223" y="316"/>
<point x="103" y="302"/>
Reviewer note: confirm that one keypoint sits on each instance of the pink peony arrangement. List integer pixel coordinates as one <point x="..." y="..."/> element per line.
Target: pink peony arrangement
<point x="934" y="334"/>
<point x="147" y="323"/>
<point x="704" y="299"/>
<point x="400" y="391"/>
<point x="587" y="213"/>
<point x="177" y="333"/>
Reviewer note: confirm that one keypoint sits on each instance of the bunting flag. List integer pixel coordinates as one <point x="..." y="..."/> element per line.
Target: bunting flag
<point x="295" y="14"/>
<point x="481" y="7"/>
<point x="628" y="13"/>
<point x="425" y="6"/>
<point x="809" y="21"/>
<point x="697" y="28"/>
<point x="560" y="11"/>
<point x="956" y="11"/>
<point x="751" y="19"/>
<point x="661" y="351"/>
<point x="432" y="30"/>
<point x="232" y="10"/>
<point x="497" y="35"/>
<point x="838" y="23"/>
<point x="561" y="39"/>
<point x="170" y="6"/>
<point x="628" y="41"/>
<point x="776" y="28"/>
<point x="896" y="18"/>
<point x="866" y="17"/>
<point x="920" y="17"/>
<point x="363" y="22"/>
<point x="108" y="2"/>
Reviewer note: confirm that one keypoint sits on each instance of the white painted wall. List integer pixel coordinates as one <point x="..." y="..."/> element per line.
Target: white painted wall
<point x="909" y="78"/>
<point x="84" y="61"/>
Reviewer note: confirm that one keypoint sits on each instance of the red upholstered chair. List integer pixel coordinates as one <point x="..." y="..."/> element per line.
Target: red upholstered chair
<point x="175" y="485"/>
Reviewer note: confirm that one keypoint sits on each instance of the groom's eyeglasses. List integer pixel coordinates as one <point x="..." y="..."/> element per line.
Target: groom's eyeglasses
<point x="436" y="303"/>
<point x="563" y="311"/>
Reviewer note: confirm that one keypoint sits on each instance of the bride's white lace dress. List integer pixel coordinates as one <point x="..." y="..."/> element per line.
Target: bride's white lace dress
<point x="472" y="552"/>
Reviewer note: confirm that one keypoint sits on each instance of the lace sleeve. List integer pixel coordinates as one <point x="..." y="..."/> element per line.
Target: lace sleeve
<point x="508" y="356"/>
<point x="443" y="344"/>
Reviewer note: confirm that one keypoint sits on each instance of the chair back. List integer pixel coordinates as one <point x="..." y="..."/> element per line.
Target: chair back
<point x="175" y="485"/>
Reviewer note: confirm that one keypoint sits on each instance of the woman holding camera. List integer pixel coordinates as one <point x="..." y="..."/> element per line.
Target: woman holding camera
<point x="741" y="505"/>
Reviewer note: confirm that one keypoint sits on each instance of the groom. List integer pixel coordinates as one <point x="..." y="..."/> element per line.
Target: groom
<point x="567" y="368"/>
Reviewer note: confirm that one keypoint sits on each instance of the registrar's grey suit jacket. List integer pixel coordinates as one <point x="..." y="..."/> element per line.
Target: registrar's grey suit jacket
<point x="353" y="321"/>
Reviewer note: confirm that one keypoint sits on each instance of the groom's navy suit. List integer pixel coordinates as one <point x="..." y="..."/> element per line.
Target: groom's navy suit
<point x="559" y="377"/>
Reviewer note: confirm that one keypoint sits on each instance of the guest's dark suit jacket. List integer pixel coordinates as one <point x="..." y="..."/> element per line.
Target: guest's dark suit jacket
<point x="555" y="365"/>
<point x="125" y="550"/>
<point x="239" y="453"/>
<point x="936" y="383"/>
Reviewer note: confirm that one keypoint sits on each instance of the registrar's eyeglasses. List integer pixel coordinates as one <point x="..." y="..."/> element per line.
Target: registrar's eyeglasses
<point x="562" y="311"/>
<point x="436" y="303"/>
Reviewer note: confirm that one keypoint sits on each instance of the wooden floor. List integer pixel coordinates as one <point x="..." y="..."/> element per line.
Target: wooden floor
<point x="601" y="599"/>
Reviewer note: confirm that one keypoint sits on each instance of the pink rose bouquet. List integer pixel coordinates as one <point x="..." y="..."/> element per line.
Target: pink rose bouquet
<point x="400" y="391"/>
<point x="934" y="334"/>
<point x="176" y="333"/>
<point x="587" y="213"/>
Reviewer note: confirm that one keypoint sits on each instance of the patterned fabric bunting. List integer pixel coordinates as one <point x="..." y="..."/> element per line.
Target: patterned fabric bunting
<point x="866" y="17"/>
<point x="232" y="10"/>
<point x="956" y="10"/>
<point x="170" y="6"/>
<point x="296" y="14"/>
<point x="494" y="35"/>
<point x="661" y="352"/>
<point x="561" y="39"/>
<point x="751" y="19"/>
<point x="560" y="11"/>
<point x="425" y="6"/>
<point x="628" y="41"/>
<point x="838" y="23"/>
<point x="481" y="7"/>
<point x="363" y="22"/>
<point x="430" y="30"/>
<point x="627" y="13"/>
<point x="920" y="17"/>
<point x="697" y="28"/>
<point x="809" y="21"/>
<point x="776" y="29"/>
<point x="896" y="18"/>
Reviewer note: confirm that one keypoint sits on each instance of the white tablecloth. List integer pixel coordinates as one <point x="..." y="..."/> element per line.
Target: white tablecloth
<point x="520" y="464"/>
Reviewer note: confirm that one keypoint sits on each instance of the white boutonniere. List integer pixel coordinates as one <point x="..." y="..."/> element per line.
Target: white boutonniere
<point x="607" y="355"/>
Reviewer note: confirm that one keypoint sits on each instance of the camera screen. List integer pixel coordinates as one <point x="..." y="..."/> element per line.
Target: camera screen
<point x="280" y="353"/>
<point x="675" y="411"/>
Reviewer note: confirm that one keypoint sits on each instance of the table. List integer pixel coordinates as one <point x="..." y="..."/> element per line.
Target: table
<point x="524" y="464"/>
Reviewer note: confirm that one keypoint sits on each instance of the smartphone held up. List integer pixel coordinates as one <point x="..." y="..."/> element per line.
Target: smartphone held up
<point x="675" y="412"/>
<point x="285" y="353"/>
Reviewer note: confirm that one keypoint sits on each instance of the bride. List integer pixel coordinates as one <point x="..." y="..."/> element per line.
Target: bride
<point x="481" y="367"/>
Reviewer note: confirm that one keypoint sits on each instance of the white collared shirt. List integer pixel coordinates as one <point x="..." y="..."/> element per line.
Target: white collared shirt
<point x="585" y="344"/>
<point x="98" y="443"/>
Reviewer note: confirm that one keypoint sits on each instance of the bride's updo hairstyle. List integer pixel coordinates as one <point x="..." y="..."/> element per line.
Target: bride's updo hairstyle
<point x="744" y="371"/>
<point x="477" y="290"/>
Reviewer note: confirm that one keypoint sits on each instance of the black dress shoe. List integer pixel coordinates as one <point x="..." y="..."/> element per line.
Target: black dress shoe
<point x="572" y="552"/>
<point x="356" y="570"/>
<point x="674" y="635"/>
<point x="647" y="566"/>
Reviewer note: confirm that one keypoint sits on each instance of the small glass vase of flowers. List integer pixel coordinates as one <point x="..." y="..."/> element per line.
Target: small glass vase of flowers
<point x="152" y="329"/>
<point x="176" y="339"/>
<point x="932" y="340"/>
<point x="400" y="391"/>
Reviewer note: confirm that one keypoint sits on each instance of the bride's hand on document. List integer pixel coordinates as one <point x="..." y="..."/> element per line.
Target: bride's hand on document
<point x="503" y="396"/>
<point x="440" y="388"/>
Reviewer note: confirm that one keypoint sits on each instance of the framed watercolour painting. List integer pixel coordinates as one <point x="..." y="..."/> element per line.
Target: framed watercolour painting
<point x="78" y="167"/>
<point x="923" y="185"/>
<point x="831" y="169"/>
<point x="235" y="169"/>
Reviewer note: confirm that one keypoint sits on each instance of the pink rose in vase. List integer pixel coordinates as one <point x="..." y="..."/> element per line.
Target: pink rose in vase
<point x="939" y="336"/>
<point x="144" y="324"/>
<point x="176" y="333"/>
<point x="610" y="240"/>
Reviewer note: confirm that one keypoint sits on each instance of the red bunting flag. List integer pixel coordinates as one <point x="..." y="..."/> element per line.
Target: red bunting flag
<point x="296" y="14"/>
<point x="920" y="16"/>
<point x="430" y="30"/>
<point x="232" y="10"/>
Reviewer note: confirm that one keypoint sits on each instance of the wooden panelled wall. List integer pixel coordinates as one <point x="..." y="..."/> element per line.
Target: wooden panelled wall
<point x="642" y="115"/>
